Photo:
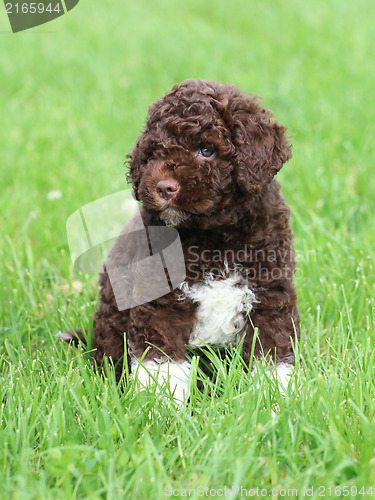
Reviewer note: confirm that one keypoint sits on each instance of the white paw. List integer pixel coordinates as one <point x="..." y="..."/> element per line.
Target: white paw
<point x="281" y="373"/>
<point x="169" y="373"/>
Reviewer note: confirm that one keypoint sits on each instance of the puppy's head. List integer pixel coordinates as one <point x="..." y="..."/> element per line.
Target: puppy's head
<point x="204" y="148"/>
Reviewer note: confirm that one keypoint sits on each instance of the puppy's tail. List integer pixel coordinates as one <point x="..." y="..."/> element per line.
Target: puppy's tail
<point x="75" y="337"/>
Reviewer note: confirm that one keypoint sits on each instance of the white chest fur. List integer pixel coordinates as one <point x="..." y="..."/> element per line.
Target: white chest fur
<point x="222" y="308"/>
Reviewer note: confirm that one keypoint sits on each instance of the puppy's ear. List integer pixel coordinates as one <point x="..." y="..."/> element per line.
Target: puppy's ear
<point x="134" y="161"/>
<point x="261" y="145"/>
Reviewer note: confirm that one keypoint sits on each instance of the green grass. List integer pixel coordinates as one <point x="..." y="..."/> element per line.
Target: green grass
<point x="74" y="94"/>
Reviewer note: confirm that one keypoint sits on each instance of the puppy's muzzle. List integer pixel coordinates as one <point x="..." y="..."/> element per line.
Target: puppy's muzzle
<point x="167" y="188"/>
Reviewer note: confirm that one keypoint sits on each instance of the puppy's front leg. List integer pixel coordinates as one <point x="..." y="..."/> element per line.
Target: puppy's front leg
<point x="158" y="334"/>
<point x="276" y="319"/>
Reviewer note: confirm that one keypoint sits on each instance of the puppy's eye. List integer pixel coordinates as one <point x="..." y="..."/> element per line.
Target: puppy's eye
<point x="206" y="152"/>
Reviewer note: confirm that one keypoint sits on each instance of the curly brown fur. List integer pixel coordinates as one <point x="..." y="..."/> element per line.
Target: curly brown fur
<point x="227" y="205"/>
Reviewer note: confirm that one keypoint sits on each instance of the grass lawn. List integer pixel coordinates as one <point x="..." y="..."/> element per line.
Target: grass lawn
<point x="74" y="95"/>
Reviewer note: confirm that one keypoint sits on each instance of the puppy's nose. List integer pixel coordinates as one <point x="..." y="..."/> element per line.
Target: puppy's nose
<point x="167" y="188"/>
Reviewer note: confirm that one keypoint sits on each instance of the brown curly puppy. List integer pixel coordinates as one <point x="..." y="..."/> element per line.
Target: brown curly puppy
<point x="205" y="164"/>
